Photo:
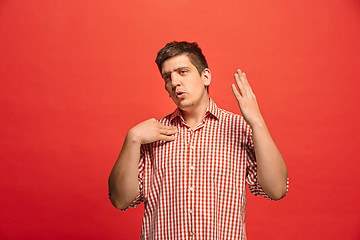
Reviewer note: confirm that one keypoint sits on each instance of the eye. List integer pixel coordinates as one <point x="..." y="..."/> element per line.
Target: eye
<point x="167" y="77"/>
<point x="183" y="72"/>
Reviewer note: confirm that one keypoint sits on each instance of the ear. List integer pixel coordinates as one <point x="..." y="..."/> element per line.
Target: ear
<point x="206" y="77"/>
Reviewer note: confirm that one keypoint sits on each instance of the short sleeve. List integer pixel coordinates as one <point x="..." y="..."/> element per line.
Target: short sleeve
<point x="140" y="196"/>
<point x="251" y="170"/>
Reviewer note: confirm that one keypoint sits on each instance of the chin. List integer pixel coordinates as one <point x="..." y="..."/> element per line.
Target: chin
<point x="184" y="106"/>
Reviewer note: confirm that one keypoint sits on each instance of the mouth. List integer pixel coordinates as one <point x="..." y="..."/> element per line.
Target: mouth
<point x="179" y="94"/>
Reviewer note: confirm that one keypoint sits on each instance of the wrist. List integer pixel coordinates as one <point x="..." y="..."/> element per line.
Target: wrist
<point x="133" y="137"/>
<point x="259" y="124"/>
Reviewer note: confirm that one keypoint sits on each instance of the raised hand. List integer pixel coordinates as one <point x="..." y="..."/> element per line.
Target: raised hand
<point x="246" y="99"/>
<point x="151" y="131"/>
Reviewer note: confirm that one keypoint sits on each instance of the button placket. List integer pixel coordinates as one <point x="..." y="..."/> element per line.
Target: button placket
<point x="191" y="173"/>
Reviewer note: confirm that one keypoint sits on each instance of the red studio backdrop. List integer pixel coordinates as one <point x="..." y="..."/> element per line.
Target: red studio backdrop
<point x="77" y="75"/>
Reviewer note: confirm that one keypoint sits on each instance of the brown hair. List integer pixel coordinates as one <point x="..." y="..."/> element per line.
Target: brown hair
<point x="192" y="50"/>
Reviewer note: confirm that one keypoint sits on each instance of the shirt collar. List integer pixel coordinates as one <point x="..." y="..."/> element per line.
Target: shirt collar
<point x="212" y="109"/>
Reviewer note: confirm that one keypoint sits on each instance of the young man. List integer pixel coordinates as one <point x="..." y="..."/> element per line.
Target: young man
<point x="190" y="168"/>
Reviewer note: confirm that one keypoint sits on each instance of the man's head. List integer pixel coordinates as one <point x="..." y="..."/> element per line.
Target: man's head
<point x="192" y="50"/>
<point x="184" y="70"/>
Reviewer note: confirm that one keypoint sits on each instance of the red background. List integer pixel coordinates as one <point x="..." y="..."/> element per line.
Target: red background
<point x="76" y="75"/>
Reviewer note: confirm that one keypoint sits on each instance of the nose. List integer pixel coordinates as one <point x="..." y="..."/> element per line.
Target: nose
<point x="175" y="80"/>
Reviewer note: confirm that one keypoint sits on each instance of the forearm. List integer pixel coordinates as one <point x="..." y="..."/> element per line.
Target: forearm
<point x="271" y="168"/>
<point x="123" y="179"/>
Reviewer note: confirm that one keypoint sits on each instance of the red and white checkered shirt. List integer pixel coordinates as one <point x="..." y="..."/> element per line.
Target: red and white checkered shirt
<point x="194" y="187"/>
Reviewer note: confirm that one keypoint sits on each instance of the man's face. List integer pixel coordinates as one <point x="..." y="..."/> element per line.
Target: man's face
<point x="183" y="82"/>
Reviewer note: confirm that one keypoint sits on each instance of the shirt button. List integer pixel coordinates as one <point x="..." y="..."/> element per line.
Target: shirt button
<point x="192" y="147"/>
<point x="192" y="167"/>
<point x="191" y="234"/>
<point x="191" y="189"/>
<point x="191" y="211"/>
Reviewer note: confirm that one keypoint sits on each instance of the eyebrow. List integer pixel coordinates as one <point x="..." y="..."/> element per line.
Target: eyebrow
<point x="176" y="69"/>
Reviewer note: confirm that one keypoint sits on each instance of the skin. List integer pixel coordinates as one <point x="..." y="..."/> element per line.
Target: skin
<point x="188" y="91"/>
<point x="180" y="75"/>
<point x="271" y="168"/>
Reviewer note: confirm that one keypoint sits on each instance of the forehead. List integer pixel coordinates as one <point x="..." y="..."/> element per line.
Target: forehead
<point x="180" y="61"/>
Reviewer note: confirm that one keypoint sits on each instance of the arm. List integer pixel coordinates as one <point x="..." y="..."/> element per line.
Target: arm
<point x="271" y="168"/>
<point x="123" y="179"/>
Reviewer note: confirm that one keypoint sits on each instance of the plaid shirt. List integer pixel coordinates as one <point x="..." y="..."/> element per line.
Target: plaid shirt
<point x="194" y="187"/>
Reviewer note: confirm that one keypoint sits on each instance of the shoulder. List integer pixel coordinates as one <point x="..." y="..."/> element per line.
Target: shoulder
<point x="228" y="116"/>
<point x="235" y="121"/>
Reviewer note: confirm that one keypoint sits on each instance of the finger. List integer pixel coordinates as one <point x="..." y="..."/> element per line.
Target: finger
<point x="167" y="138"/>
<point x="246" y="83"/>
<point x="168" y="131"/>
<point x="236" y="92"/>
<point x="169" y="128"/>
<point x="240" y="84"/>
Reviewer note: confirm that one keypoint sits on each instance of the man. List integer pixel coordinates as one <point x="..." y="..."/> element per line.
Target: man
<point x="190" y="168"/>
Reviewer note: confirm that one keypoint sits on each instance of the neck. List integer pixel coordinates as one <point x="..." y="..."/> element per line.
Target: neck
<point x="195" y="115"/>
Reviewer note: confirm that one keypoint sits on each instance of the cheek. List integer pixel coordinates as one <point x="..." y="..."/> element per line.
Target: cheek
<point x="200" y="85"/>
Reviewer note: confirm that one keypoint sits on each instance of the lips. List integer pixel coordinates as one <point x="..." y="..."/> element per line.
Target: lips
<point x="179" y="94"/>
